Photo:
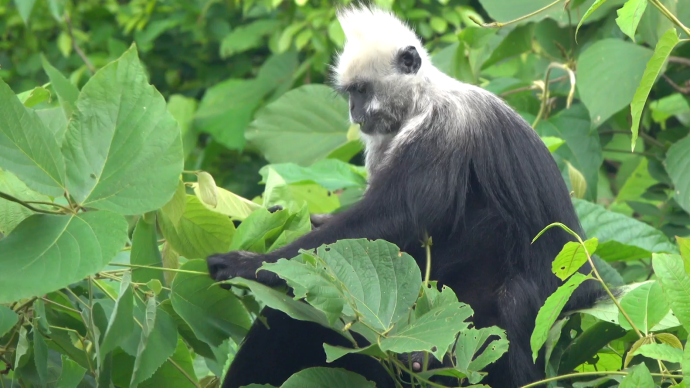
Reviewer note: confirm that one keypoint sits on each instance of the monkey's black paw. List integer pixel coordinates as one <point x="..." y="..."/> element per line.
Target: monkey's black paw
<point x="241" y="264"/>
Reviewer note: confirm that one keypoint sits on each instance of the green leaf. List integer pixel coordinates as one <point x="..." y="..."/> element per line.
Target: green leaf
<point x="158" y="342"/>
<point x="318" y="199"/>
<point x="145" y="252"/>
<point x="201" y="348"/>
<point x="503" y="11"/>
<point x="120" y="324"/>
<point x="35" y="96"/>
<point x="174" y="209"/>
<point x="434" y="331"/>
<point x="329" y="173"/>
<point x="183" y="109"/>
<point x="517" y="41"/>
<point x="247" y="37"/>
<point x="577" y="181"/>
<point x="29" y="149"/>
<point x="551" y="310"/>
<point x="620" y="237"/>
<point x="686" y="363"/>
<point x="40" y="354"/>
<point x="335" y="352"/>
<point x="56" y="8"/>
<point x="67" y="93"/>
<point x="684" y="246"/>
<point x="662" y="352"/>
<point x="229" y="204"/>
<point x="12" y="213"/>
<point x="661" y="52"/>
<point x="677" y="165"/>
<point x="199" y="233"/>
<point x="8" y="318"/>
<point x="260" y="226"/>
<point x="322" y="377"/>
<point x="572" y="257"/>
<point x="309" y="114"/>
<point x="227" y="109"/>
<point x="470" y="342"/>
<point x="582" y="148"/>
<point x="629" y="17"/>
<point x="675" y="282"/>
<point x="552" y="142"/>
<point x="123" y="147"/>
<point x="664" y="108"/>
<point x="588" y="344"/>
<point x="590" y="10"/>
<point x="24" y="7"/>
<point x="645" y="306"/>
<point x="639" y="377"/>
<point x="280" y="301"/>
<point x="206" y="189"/>
<point x="57" y="251"/>
<point x="72" y="374"/>
<point x="609" y="72"/>
<point x="169" y="374"/>
<point x="373" y="278"/>
<point x="213" y="314"/>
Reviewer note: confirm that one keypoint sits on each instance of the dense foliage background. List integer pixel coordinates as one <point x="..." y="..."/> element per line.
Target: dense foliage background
<point x="112" y="191"/>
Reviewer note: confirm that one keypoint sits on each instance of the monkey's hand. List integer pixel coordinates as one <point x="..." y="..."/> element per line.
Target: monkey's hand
<point x="240" y="264"/>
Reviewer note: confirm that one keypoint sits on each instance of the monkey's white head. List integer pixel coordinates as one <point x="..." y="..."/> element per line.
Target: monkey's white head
<point x="377" y="44"/>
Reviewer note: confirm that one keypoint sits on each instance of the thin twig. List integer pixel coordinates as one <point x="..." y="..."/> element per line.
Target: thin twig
<point x="60" y="305"/>
<point x="584" y="374"/>
<point x="521" y="18"/>
<point x="643" y="135"/>
<point x="545" y="95"/>
<point x="629" y="152"/>
<point x="158" y="268"/>
<point x="681" y="60"/>
<point x="26" y="205"/>
<point x="531" y="87"/>
<point x="681" y="89"/>
<point x="76" y="47"/>
<point x="670" y="16"/>
<point x="65" y="208"/>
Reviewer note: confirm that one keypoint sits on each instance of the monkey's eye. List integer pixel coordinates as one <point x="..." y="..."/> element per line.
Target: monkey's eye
<point x="360" y="88"/>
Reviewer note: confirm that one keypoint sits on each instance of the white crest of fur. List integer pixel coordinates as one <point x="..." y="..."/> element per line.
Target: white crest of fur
<point x="372" y="39"/>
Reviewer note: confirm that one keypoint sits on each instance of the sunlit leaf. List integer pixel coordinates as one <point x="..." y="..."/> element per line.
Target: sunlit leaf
<point x="629" y="17"/>
<point x="123" y="147"/>
<point x="572" y="257"/>
<point x="57" y="251"/>
<point x="645" y="305"/>
<point x="662" y="352"/>
<point x="639" y="377"/>
<point x="675" y="282"/>
<point x="663" y="49"/>
<point x="229" y="204"/>
<point x="326" y="377"/>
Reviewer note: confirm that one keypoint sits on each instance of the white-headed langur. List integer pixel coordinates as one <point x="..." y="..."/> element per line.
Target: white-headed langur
<point x="443" y="157"/>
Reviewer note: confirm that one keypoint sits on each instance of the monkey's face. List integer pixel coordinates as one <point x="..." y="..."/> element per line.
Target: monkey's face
<point x="380" y="100"/>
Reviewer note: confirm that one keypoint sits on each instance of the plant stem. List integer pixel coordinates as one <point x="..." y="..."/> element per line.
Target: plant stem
<point x="60" y="305"/>
<point x="531" y="87"/>
<point x="670" y="16"/>
<point x="158" y="268"/>
<point x="50" y="204"/>
<point x="76" y="47"/>
<point x="630" y="152"/>
<point x="26" y="205"/>
<point x="545" y="95"/>
<point x="583" y="374"/>
<point x="427" y="246"/>
<point x="521" y="18"/>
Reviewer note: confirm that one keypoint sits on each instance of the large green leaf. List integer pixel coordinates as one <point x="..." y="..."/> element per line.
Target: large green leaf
<point x="229" y="204"/>
<point x="213" y="314"/>
<point x="629" y="17"/>
<point x="330" y="173"/>
<point x="120" y="324"/>
<point x="434" y="331"/>
<point x="145" y="251"/>
<point x="326" y="377"/>
<point x="572" y="257"/>
<point x="123" y="147"/>
<point x="8" y="318"/>
<point x="71" y="375"/>
<point x="677" y="165"/>
<point x="47" y="252"/>
<point x="199" y="233"/>
<point x="582" y="148"/>
<point x="227" y="109"/>
<point x="310" y="114"/>
<point x="639" y="377"/>
<point x="663" y="49"/>
<point x="645" y="305"/>
<point x="670" y="271"/>
<point x="12" y="213"/>
<point x="609" y="72"/>
<point x="158" y="342"/>
<point x="551" y="310"/>
<point x="67" y="93"/>
<point x="620" y="237"/>
<point x="370" y="278"/>
<point x="27" y="148"/>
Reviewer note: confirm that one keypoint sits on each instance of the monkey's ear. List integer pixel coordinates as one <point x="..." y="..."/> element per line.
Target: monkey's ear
<point x="408" y="60"/>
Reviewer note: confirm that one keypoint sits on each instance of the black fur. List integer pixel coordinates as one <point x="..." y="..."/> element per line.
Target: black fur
<point x="482" y="195"/>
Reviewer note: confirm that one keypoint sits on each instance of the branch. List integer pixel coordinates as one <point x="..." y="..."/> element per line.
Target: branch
<point x="521" y="18"/>
<point x="76" y="47"/>
<point x="531" y="87"/>
<point x="678" y="88"/>
<point x="680" y="60"/>
<point x="26" y="205"/>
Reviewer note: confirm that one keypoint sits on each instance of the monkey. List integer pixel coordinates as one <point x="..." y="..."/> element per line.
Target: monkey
<point x="445" y="158"/>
